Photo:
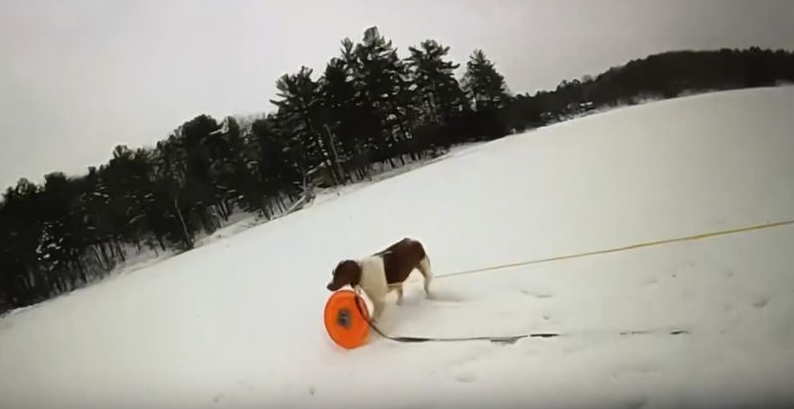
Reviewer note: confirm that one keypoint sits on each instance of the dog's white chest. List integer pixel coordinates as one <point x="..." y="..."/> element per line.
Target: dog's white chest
<point x="373" y="277"/>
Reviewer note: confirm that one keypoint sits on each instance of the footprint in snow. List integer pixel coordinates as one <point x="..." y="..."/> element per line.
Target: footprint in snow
<point x="761" y="301"/>
<point x="465" y="378"/>
<point x="636" y="404"/>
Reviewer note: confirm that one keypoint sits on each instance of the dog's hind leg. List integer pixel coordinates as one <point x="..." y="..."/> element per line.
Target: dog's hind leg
<point x="424" y="268"/>
<point x="399" y="294"/>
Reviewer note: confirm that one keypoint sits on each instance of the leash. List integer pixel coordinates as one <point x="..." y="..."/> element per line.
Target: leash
<point x="406" y="339"/>
<point x="510" y="339"/>
<point x="620" y="249"/>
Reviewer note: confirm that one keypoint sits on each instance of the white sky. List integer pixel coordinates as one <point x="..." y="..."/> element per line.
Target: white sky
<point x="78" y="77"/>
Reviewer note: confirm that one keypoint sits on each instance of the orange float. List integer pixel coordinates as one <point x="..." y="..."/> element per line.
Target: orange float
<point x="344" y="322"/>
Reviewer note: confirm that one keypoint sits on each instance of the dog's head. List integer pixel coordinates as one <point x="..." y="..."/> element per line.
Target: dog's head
<point x="347" y="272"/>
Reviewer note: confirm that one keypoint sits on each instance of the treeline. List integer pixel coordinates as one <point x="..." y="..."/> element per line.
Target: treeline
<point x="659" y="76"/>
<point x="367" y="108"/>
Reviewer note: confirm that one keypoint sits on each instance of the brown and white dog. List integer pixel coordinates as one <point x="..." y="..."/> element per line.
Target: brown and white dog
<point x="383" y="272"/>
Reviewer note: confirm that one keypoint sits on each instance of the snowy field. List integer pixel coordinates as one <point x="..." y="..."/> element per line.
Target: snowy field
<point x="238" y="323"/>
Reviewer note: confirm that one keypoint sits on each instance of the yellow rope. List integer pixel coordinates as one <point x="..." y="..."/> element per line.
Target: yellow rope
<point x="619" y="249"/>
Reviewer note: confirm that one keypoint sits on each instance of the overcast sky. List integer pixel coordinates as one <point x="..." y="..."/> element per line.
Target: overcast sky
<point x="78" y="77"/>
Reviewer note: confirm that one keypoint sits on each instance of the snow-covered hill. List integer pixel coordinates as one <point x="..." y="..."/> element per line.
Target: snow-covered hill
<point x="238" y="323"/>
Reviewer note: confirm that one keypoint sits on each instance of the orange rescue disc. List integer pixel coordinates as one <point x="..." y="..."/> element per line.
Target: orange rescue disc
<point x="344" y="321"/>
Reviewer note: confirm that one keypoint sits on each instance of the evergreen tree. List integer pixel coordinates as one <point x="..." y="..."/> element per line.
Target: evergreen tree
<point x="350" y="120"/>
<point x="230" y="169"/>
<point x="277" y="164"/>
<point x="439" y="93"/>
<point x="62" y="240"/>
<point x="483" y="84"/>
<point x="93" y="203"/>
<point x="177" y="190"/>
<point x="382" y="80"/>
<point x="123" y="188"/>
<point x="202" y="194"/>
<point x="21" y="230"/>
<point x="301" y="113"/>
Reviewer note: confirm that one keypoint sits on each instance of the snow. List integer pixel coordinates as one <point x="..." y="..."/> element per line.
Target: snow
<point x="237" y="323"/>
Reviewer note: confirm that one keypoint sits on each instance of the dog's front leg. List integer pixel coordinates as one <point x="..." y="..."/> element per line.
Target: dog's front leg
<point x="377" y="296"/>
<point x="377" y="309"/>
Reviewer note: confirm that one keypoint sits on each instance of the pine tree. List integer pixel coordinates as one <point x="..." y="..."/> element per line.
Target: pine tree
<point x="125" y="189"/>
<point x="93" y="204"/>
<point x="301" y="112"/>
<point x="440" y="94"/>
<point x="278" y="164"/>
<point x="61" y="244"/>
<point x="350" y="121"/>
<point x="201" y="192"/>
<point x="483" y="84"/>
<point x="230" y="169"/>
<point x="177" y="189"/>
<point x="383" y="84"/>
<point x="22" y="227"/>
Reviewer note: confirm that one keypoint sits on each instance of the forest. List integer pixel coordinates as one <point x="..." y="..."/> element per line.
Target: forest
<point x="366" y="109"/>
